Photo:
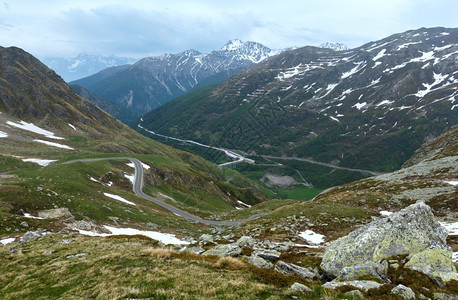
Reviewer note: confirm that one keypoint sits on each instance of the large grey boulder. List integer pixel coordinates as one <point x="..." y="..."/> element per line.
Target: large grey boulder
<point x="55" y="213"/>
<point x="206" y="239"/>
<point x="292" y="269"/>
<point x="224" y="250"/>
<point x="260" y="262"/>
<point x="403" y="291"/>
<point x="409" y="231"/>
<point x="246" y="241"/>
<point x="300" y="287"/>
<point x="269" y="255"/>
<point x="371" y="269"/>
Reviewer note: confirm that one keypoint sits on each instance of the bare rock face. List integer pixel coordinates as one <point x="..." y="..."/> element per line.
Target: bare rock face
<point x="412" y="231"/>
<point x="56" y="213"/>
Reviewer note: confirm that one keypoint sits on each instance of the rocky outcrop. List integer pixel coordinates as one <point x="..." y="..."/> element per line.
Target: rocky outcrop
<point x="259" y="262"/>
<point x="292" y="269"/>
<point x="56" y="213"/>
<point x="269" y="255"/>
<point x="403" y="292"/>
<point x="300" y="287"/>
<point x="364" y="285"/>
<point x="435" y="262"/>
<point x="412" y="231"/>
<point x="224" y="250"/>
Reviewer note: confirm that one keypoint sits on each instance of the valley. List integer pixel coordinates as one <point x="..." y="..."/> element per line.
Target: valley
<point x="308" y="173"/>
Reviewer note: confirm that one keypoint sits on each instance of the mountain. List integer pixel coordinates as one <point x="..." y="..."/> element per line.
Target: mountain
<point x="84" y="64"/>
<point x="64" y="223"/>
<point x="334" y="46"/>
<point x="370" y="107"/>
<point x="153" y="81"/>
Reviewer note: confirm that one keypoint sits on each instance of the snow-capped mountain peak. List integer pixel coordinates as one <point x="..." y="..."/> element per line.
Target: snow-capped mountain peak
<point x="232" y="45"/>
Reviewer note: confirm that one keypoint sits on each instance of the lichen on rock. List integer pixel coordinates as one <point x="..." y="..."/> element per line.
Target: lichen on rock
<point x="407" y="232"/>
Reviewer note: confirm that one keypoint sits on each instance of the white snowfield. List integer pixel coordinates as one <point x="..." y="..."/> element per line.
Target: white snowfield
<point x="41" y="162"/>
<point x="35" y="129"/>
<point x="166" y="238"/>
<point x="119" y="198"/>
<point x="3" y="134"/>
<point x="54" y="144"/>
<point x="312" y="237"/>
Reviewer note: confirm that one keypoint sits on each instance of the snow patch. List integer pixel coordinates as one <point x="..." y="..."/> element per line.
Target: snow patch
<point x="165" y="238"/>
<point x="145" y="166"/>
<point x="312" y="237"/>
<point x="438" y="49"/>
<point x="73" y="127"/>
<point x="7" y="241"/>
<point x="119" y="198"/>
<point x="377" y="63"/>
<point x="438" y="78"/>
<point x="41" y="162"/>
<point x="385" y="213"/>
<point x="385" y="102"/>
<point x="406" y="45"/>
<point x="130" y="177"/>
<point x="334" y="119"/>
<point x="54" y="144"/>
<point x="452" y="182"/>
<point x="35" y="129"/>
<point x="243" y="203"/>
<point x="3" y="134"/>
<point x="379" y="55"/>
<point x="27" y="215"/>
<point x="95" y="180"/>
<point x="358" y="105"/>
<point x="354" y="70"/>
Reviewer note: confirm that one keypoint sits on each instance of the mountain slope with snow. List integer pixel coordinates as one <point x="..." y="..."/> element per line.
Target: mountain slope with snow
<point x="368" y="107"/>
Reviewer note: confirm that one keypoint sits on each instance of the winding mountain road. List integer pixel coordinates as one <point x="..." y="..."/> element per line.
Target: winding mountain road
<point x="138" y="190"/>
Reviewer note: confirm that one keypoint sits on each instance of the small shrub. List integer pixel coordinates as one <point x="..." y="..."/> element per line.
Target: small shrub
<point x="159" y="252"/>
<point x="229" y="263"/>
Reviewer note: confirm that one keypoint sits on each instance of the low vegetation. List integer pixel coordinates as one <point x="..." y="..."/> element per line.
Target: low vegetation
<point x="130" y="267"/>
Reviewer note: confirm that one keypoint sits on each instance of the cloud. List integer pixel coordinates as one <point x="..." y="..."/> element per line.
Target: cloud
<point x="139" y="28"/>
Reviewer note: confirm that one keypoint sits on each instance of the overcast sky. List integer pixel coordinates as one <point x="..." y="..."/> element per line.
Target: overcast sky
<point x="138" y="28"/>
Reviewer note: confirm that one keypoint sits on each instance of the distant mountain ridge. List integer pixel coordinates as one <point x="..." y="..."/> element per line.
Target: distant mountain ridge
<point x="370" y="107"/>
<point x="84" y="64"/>
<point x="153" y="81"/>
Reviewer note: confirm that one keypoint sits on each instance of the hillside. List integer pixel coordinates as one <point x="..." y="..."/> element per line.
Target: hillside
<point x="370" y="107"/>
<point x="153" y="81"/>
